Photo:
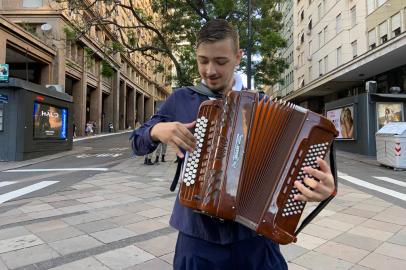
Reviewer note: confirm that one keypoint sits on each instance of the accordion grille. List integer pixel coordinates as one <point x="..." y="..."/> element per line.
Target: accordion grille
<point x="265" y="157"/>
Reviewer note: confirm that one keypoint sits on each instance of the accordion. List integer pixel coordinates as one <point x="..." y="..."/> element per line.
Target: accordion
<point x="249" y="153"/>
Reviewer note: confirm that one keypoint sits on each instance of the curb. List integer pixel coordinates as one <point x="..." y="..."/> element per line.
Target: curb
<point x="101" y="135"/>
<point x="76" y="150"/>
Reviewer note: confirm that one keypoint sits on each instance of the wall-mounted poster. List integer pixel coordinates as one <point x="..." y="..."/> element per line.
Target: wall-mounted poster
<point x="4" y="71"/>
<point x="388" y="112"/>
<point x="343" y="120"/>
<point x="50" y="122"/>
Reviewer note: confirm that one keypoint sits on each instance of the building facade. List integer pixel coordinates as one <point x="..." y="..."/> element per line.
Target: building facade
<point x="350" y="54"/>
<point x="120" y="88"/>
<point x="287" y="86"/>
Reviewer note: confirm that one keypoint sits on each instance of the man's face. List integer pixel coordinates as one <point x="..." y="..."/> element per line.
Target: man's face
<point x="216" y="62"/>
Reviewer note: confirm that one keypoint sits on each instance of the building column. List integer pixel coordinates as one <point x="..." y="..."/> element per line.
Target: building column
<point x="115" y="93"/>
<point x="79" y="93"/>
<point x="59" y="65"/>
<point x="130" y="107"/>
<point x="140" y="108"/>
<point x="108" y="111"/>
<point x="46" y="75"/>
<point x="3" y="44"/>
<point x="149" y="107"/>
<point x="122" y="110"/>
<point x="96" y="106"/>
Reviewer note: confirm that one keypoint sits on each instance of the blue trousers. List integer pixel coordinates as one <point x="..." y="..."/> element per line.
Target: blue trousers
<point x="256" y="253"/>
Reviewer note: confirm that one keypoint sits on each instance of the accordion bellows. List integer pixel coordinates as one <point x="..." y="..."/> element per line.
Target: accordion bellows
<point x="248" y="155"/>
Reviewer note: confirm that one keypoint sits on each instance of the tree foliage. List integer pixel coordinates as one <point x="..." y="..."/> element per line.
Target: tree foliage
<point x="173" y="32"/>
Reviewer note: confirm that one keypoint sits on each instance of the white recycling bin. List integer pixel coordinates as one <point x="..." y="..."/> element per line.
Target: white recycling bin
<point x="391" y="145"/>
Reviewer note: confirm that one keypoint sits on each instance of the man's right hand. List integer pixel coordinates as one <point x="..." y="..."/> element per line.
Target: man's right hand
<point x="175" y="134"/>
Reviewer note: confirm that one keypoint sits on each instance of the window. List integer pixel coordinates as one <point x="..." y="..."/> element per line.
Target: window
<point x="326" y="64"/>
<point x="32" y="3"/>
<point x="320" y="67"/>
<point x="353" y="16"/>
<point x="302" y="38"/>
<point x="310" y="73"/>
<point x="381" y="2"/>
<point x="338" y="23"/>
<point x="310" y="48"/>
<point x="371" y="39"/>
<point x="383" y="32"/>
<point x="324" y="6"/>
<point x="310" y="24"/>
<point x="319" y="12"/>
<point x="370" y="6"/>
<point x="395" y="25"/>
<point x="320" y="39"/>
<point x="325" y="35"/>
<point x="1" y="116"/>
<point x="339" y="55"/>
<point x="354" y="49"/>
<point x="302" y="15"/>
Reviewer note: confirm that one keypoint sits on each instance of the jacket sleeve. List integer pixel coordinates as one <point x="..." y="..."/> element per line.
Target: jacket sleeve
<point x="142" y="143"/>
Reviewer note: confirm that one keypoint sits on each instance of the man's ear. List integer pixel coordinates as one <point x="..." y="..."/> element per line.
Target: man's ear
<point x="239" y="56"/>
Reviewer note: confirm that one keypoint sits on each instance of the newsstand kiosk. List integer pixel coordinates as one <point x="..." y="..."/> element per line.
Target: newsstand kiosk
<point x="34" y="121"/>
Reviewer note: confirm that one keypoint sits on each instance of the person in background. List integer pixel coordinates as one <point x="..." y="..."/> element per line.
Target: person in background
<point x="160" y="152"/>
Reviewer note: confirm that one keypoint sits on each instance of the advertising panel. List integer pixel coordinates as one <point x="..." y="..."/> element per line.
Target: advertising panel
<point x="343" y="120"/>
<point x="50" y="122"/>
<point x="388" y="112"/>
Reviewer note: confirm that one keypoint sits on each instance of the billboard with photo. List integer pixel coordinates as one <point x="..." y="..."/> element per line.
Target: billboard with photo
<point x="4" y="72"/>
<point x="50" y="122"/>
<point x="387" y="112"/>
<point x="343" y="120"/>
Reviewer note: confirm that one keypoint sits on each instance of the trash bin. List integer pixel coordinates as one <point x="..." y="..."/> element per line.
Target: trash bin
<point x="391" y="145"/>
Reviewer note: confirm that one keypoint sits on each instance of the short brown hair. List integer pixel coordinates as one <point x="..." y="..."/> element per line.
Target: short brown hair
<point x="217" y="30"/>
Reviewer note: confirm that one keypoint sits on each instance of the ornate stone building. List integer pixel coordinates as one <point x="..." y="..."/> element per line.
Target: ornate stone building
<point x="121" y="89"/>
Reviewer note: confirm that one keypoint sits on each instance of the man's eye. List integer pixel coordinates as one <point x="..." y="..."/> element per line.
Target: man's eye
<point x="221" y="63"/>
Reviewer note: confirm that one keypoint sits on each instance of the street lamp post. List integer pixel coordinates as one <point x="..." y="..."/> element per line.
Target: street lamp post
<point x="249" y="45"/>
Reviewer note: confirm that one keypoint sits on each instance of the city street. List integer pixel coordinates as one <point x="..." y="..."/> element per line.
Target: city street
<point x="101" y="208"/>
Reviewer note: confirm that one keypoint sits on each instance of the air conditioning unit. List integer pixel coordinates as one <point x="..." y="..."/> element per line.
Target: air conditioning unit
<point x="395" y="90"/>
<point x="309" y="58"/>
<point x="308" y="32"/>
<point x="56" y="87"/>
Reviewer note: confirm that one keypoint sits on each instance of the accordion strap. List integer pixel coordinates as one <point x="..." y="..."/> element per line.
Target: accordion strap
<point x="322" y="204"/>
<point x="204" y="90"/>
<point x="177" y="174"/>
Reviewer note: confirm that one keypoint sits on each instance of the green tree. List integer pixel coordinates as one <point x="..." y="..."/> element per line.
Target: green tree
<point x="174" y="31"/>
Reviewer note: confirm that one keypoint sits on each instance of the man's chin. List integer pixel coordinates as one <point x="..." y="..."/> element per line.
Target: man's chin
<point x="215" y="88"/>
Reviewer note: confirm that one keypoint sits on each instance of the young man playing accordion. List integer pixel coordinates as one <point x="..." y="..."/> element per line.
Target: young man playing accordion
<point x="204" y="242"/>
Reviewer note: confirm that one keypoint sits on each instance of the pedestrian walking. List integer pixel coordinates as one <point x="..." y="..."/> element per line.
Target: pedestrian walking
<point x="160" y="153"/>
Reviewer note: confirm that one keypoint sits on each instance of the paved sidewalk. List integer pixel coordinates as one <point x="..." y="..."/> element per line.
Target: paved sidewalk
<point x="119" y="220"/>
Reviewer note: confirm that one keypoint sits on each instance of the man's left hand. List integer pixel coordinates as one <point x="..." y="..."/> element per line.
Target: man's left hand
<point x="321" y="189"/>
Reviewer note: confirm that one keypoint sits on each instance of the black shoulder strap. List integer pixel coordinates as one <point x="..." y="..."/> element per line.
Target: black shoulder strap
<point x="177" y="174"/>
<point x="323" y="204"/>
<point x="204" y="90"/>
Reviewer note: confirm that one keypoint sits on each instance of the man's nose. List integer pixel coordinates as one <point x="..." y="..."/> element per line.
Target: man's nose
<point x="211" y="69"/>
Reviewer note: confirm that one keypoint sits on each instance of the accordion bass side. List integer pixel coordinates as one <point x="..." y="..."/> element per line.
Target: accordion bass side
<point x="248" y="155"/>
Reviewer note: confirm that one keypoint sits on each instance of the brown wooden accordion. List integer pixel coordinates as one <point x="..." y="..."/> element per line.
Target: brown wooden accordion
<point x="248" y="156"/>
